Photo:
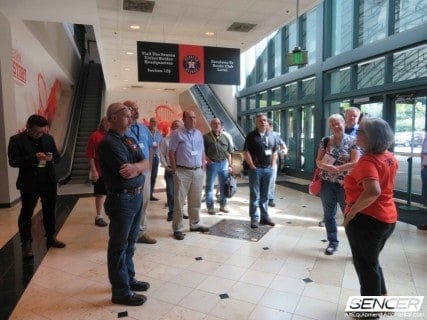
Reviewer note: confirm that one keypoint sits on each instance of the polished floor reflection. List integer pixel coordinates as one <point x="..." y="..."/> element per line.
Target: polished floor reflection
<point x="284" y="275"/>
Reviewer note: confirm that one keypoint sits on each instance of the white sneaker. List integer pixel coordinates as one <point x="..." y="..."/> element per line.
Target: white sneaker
<point x="224" y="209"/>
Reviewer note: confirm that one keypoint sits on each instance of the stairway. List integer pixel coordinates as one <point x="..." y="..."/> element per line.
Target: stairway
<point x="88" y="122"/>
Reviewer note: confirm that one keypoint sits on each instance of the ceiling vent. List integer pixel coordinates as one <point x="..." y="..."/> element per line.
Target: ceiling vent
<point x="138" y="5"/>
<point x="136" y="86"/>
<point x="241" y="27"/>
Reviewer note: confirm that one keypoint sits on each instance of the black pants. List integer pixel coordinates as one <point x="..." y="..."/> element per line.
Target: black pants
<point x="48" y="196"/>
<point x="367" y="237"/>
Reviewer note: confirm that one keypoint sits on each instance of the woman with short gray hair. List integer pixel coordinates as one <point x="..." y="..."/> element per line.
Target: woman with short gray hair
<point x="370" y="215"/>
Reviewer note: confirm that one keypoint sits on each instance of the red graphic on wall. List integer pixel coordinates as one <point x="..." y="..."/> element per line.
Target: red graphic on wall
<point x="48" y="104"/>
<point x="18" y="70"/>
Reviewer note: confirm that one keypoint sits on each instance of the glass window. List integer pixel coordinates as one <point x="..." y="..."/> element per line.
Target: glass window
<point x="309" y="34"/>
<point x="308" y="87"/>
<point x="261" y="61"/>
<point x="372" y="20"/>
<point x="251" y="102"/>
<point x="342" y="26"/>
<point x="277" y="40"/>
<point x="291" y="41"/>
<point x="291" y="92"/>
<point x="410" y="64"/>
<point x="276" y="96"/>
<point x="263" y="99"/>
<point x="409" y="14"/>
<point x="340" y="80"/>
<point x="370" y="73"/>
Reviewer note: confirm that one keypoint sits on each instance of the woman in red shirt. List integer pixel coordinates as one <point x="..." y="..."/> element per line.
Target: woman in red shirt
<point x="370" y="214"/>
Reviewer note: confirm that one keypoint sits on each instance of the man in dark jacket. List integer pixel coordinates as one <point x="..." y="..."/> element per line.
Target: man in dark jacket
<point x="34" y="152"/>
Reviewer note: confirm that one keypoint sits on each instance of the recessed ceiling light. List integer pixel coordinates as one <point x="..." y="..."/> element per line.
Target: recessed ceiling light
<point x="134" y="27"/>
<point x="125" y="80"/>
<point x="210" y="33"/>
<point x="129" y="53"/>
<point x="124" y="88"/>
<point x="127" y="69"/>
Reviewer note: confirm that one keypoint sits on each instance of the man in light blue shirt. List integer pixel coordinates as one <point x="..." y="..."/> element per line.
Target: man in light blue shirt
<point x="187" y="160"/>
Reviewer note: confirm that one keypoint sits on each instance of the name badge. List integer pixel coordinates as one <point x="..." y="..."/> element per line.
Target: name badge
<point x="194" y="152"/>
<point x="155" y="144"/>
<point x="268" y="152"/>
<point x="141" y="145"/>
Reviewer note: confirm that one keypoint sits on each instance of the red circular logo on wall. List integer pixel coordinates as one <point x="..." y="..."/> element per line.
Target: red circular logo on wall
<point x="191" y="64"/>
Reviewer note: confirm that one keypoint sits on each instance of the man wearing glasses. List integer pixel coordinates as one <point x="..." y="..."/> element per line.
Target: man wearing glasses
<point x="34" y="152"/>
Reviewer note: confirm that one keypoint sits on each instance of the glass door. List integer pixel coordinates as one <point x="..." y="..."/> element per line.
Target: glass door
<point x="409" y="134"/>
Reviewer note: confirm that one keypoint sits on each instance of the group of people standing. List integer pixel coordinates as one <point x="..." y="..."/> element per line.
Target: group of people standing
<point x="122" y="155"/>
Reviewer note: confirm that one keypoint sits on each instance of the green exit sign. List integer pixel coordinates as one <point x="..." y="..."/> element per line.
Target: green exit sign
<point x="296" y="58"/>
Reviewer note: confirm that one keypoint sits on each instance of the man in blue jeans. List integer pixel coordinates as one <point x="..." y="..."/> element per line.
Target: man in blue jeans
<point x="218" y="149"/>
<point x="260" y="152"/>
<point x="123" y="165"/>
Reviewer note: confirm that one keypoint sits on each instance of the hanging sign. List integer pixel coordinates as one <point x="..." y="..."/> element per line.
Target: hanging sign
<point x="163" y="62"/>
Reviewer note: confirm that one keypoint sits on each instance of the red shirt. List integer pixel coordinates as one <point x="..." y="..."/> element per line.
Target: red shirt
<point x="92" y="146"/>
<point x="380" y="167"/>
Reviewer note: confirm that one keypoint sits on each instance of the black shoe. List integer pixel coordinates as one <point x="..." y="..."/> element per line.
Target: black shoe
<point x="202" y="229"/>
<point x="139" y="286"/>
<point x="154" y="199"/>
<point x="27" y="250"/>
<point x="169" y="218"/>
<point x="330" y="250"/>
<point x="321" y="223"/>
<point x="100" y="222"/>
<point x="185" y="216"/>
<point x="133" y="300"/>
<point x="271" y="203"/>
<point x="254" y="224"/>
<point x="178" y="235"/>
<point x="267" y="221"/>
<point x="52" y="242"/>
<point x="422" y="227"/>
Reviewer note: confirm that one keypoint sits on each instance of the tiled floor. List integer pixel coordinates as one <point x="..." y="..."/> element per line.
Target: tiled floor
<point x="285" y="275"/>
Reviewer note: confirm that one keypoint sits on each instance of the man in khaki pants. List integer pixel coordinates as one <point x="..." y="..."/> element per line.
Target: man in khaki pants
<point x="187" y="160"/>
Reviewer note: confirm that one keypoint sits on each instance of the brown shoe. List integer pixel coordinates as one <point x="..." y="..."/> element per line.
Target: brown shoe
<point x="145" y="238"/>
<point x="52" y="242"/>
<point x="27" y="250"/>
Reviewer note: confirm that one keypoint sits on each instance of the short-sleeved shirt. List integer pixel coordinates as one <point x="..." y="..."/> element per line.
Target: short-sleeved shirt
<point x="217" y="148"/>
<point x="143" y="136"/>
<point x="156" y="137"/>
<point x="188" y="147"/>
<point x="92" y="145"/>
<point x="341" y="153"/>
<point x="380" y="167"/>
<point x="261" y="147"/>
<point x="114" y="151"/>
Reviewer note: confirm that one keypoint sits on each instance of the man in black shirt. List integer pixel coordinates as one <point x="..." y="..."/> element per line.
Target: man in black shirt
<point x="122" y="164"/>
<point x="260" y="152"/>
<point x="34" y="152"/>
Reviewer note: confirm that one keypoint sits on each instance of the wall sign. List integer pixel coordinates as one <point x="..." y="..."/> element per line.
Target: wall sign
<point x="163" y="62"/>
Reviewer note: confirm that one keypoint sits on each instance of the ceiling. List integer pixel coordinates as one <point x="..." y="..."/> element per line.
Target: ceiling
<point x="171" y="21"/>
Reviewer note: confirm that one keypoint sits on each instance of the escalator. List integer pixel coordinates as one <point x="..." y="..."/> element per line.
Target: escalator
<point x="212" y="107"/>
<point x="85" y="115"/>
